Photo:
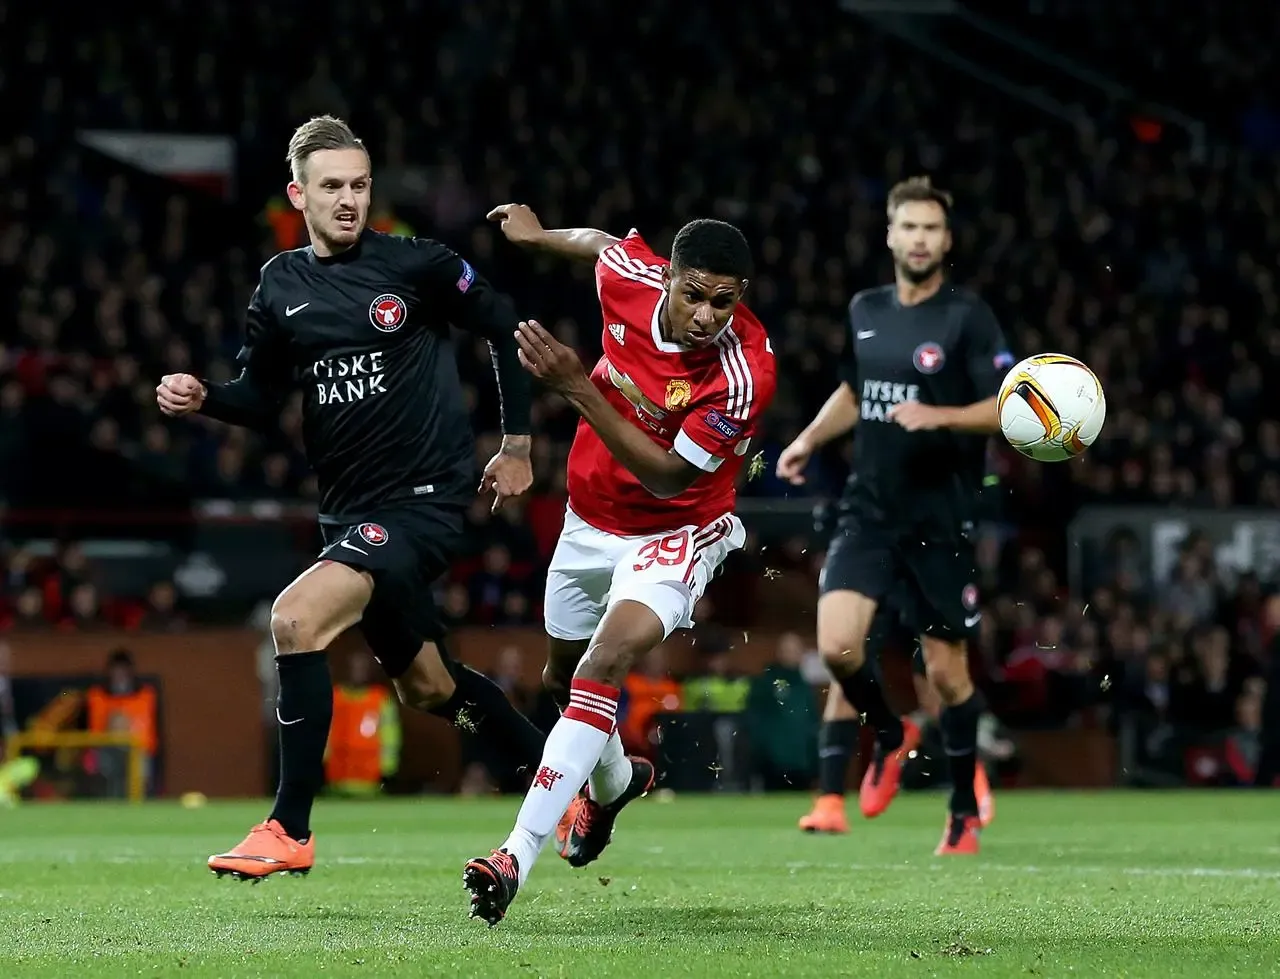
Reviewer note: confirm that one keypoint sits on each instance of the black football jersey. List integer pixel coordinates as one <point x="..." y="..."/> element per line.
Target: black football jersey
<point x="365" y="336"/>
<point x="947" y="350"/>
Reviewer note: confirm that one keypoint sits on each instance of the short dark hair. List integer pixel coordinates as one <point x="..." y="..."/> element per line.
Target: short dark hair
<point x="712" y="246"/>
<point x="120" y="657"/>
<point x="917" y="189"/>
<point x="316" y="134"/>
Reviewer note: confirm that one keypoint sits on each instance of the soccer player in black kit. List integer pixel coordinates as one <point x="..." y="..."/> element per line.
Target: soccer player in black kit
<point x="923" y="364"/>
<point x="359" y="321"/>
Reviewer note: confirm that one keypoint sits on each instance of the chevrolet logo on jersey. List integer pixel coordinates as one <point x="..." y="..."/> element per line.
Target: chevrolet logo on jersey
<point x="633" y="394"/>
<point x="879" y="396"/>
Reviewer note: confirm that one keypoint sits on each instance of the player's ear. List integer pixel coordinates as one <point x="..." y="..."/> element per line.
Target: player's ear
<point x="742" y="287"/>
<point x="946" y="242"/>
<point x="296" y="196"/>
<point x="666" y="278"/>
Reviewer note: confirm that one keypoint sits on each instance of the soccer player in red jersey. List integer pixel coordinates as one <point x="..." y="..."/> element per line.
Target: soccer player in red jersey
<point x="667" y="417"/>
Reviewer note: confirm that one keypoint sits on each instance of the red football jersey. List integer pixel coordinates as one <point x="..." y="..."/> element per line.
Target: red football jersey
<point x="704" y="403"/>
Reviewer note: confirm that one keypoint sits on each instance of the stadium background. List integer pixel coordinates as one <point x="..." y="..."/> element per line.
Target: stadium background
<point x="1127" y="217"/>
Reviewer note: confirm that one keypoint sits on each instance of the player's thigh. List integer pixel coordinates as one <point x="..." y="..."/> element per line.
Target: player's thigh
<point x="943" y="598"/>
<point x="667" y="573"/>
<point x="578" y="580"/>
<point x="404" y="552"/>
<point x="318" y="606"/>
<point x="859" y="572"/>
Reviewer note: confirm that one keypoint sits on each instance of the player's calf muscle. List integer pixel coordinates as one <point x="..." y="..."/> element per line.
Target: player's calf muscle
<point x="318" y="607"/>
<point x="563" y="657"/>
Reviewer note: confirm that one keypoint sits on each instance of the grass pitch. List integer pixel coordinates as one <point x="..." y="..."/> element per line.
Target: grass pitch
<point x="1115" y="884"/>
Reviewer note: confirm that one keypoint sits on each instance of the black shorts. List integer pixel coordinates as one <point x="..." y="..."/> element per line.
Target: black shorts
<point x="405" y="549"/>
<point x="932" y="579"/>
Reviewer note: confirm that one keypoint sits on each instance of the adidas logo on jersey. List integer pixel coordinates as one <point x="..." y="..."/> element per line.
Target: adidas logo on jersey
<point x="619" y="333"/>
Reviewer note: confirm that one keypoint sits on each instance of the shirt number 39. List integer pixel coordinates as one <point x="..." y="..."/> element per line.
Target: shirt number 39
<point x="666" y="551"/>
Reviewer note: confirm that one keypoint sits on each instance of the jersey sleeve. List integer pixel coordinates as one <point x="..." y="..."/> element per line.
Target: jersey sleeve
<point x="466" y="297"/>
<point x="847" y="370"/>
<point x="254" y="398"/>
<point x="721" y="424"/>
<point x="471" y="303"/>
<point x="988" y="355"/>
<point x="628" y="266"/>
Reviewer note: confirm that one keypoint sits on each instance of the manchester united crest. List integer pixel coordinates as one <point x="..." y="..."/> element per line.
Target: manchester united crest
<point x="679" y="394"/>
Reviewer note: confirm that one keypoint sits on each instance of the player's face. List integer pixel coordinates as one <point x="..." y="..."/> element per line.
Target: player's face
<point x="919" y="239"/>
<point x="334" y="197"/>
<point x="700" y="304"/>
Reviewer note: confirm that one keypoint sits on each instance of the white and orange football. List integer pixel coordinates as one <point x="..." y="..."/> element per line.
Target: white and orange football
<point x="1051" y="407"/>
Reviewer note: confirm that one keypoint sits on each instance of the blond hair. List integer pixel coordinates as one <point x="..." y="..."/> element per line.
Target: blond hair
<point x="316" y="134"/>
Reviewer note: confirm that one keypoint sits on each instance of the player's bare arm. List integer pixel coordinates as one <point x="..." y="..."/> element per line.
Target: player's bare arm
<point x="663" y="473"/>
<point x="980" y="418"/>
<point x="521" y="227"/>
<point x="838" y="416"/>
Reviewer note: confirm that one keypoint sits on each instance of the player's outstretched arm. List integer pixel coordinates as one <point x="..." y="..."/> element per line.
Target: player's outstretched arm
<point x="475" y="305"/>
<point x="663" y="473"/>
<point x="521" y="227"/>
<point x="835" y="418"/>
<point x="255" y="397"/>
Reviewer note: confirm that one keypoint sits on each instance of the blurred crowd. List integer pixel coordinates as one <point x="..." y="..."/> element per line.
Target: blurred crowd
<point x="1153" y="263"/>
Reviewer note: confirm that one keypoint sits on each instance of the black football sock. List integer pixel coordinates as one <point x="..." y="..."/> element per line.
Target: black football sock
<point x="479" y="707"/>
<point x="861" y="689"/>
<point x="837" y="741"/>
<point x="304" y="710"/>
<point x="959" y="725"/>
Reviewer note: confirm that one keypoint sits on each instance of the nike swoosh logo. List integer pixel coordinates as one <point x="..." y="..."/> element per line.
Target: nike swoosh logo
<point x="866" y="334"/>
<point x="351" y="547"/>
<point x="972" y="620"/>
<point x="290" y="310"/>
<point x="287" y="723"/>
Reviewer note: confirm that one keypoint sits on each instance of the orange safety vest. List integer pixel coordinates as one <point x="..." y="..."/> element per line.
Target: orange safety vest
<point x="125" y="712"/>
<point x="646" y="697"/>
<point x="288" y="226"/>
<point x="355" y="744"/>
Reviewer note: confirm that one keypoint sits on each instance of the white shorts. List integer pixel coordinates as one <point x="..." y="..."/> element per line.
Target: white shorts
<point x="667" y="573"/>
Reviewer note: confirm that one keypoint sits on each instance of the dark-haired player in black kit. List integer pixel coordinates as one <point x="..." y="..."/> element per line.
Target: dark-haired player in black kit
<point x="359" y="321"/>
<point x="924" y="360"/>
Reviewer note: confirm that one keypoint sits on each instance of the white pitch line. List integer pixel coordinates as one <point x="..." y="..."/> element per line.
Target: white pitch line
<point x="979" y="867"/>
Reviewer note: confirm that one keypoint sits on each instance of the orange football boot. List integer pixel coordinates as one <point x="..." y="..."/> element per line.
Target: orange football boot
<point x="267" y="850"/>
<point x="986" y="799"/>
<point x="884" y="774"/>
<point x="960" y="836"/>
<point x="826" y="816"/>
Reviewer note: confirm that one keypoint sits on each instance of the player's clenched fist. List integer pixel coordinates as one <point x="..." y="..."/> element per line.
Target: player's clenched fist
<point x="792" y="462"/>
<point x="518" y="223"/>
<point x="179" y="394"/>
<point x="549" y="360"/>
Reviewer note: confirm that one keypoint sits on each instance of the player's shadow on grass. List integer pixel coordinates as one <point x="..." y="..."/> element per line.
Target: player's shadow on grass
<point x="677" y="921"/>
<point x="322" y="914"/>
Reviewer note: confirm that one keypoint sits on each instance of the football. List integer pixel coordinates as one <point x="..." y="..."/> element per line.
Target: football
<point x="1051" y="407"/>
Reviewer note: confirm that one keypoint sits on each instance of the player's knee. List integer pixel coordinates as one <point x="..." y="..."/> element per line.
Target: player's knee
<point x="424" y="693"/>
<point x="842" y="657"/>
<point x="293" y="626"/>
<point x="556" y="682"/>
<point x="609" y="658"/>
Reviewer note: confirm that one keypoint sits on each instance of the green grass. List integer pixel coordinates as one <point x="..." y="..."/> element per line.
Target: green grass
<point x="1114" y="884"/>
